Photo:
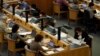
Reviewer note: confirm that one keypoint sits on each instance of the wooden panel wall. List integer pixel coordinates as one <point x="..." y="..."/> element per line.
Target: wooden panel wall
<point x="44" y="5"/>
<point x="30" y="1"/>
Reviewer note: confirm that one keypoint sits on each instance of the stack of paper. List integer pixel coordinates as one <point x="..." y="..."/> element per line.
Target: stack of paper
<point x="29" y="40"/>
<point x="50" y="52"/>
<point x="17" y="15"/>
<point x="75" y="41"/>
<point x="24" y="33"/>
<point x="45" y="48"/>
<point x="60" y="49"/>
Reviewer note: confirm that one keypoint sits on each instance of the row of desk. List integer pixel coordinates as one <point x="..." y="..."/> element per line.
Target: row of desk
<point x="68" y="50"/>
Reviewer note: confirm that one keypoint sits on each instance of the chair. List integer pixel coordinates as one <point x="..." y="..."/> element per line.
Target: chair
<point x="56" y="9"/>
<point x="73" y="15"/>
<point x="29" y="52"/>
<point x="12" y="47"/>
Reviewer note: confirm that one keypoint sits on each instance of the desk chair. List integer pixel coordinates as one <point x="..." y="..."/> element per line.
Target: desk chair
<point x="29" y="52"/>
<point x="56" y="9"/>
<point x="73" y="14"/>
<point x="12" y="47"/>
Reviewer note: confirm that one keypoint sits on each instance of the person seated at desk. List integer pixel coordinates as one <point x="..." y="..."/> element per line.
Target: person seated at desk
<point x="80" y="34"/>
<point x="86" y="18"/>
<point x="35" y="44"/>
<point x="90" y="21"/>
<point x="22" y="4"/>
<point x="63" y="4"/>
<point x="15" y="36"/>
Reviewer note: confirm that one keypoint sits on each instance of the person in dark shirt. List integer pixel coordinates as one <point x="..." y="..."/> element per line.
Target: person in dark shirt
<point x="80" y="34"/>
<point x="87" y="18"/>
<point x="90" y="22"/>
<point x="15" y="36"/>
<point x="22" y="4"/>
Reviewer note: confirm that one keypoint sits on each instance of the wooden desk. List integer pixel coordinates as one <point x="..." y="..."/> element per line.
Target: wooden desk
<point x="31" y="27"/>
<point x="67" y="50"/>
<point x="11" y="1"/>
<point x="97" y="6"/>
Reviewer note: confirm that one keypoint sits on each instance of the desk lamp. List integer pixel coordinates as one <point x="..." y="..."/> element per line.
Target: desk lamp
<point x="26" y="13"/>
<point x="61" y="28"/>
<point x="67" y="26"/>
<point x="59" y="33"/>
<point x="42" y="19"/>
<point x="42" y="27"/>
<point x="13" y="9"/>
<point x="46" y="21"/>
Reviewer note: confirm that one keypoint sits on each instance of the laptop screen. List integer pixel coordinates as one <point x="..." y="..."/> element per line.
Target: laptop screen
<point x="51" y="44"/>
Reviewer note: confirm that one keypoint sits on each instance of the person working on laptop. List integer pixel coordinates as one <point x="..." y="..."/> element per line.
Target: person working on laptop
<point x="35" y="44"/>
<point x="22" y="4"/>
<point x="15" y="36"/>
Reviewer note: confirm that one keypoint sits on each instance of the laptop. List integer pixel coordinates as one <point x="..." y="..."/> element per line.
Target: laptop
<point x="51" y="30"/>
<point x="33" y="20"/>
<point x="51" y="44"/>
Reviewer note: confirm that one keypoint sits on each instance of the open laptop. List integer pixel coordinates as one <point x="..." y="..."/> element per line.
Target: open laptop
<point x="51" y="30"/>
<point x="51" y="44"/>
